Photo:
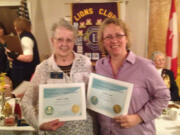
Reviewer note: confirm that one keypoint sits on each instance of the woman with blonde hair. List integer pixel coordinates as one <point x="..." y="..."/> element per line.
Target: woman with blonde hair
<point x="149" y="96"/>
<point x="24" y="64"/>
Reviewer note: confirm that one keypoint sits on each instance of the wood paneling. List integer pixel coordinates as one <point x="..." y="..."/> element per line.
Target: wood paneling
<point x="7" y="16"/>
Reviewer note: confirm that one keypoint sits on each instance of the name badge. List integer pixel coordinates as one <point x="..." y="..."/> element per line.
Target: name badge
<point x="56" y="75"/>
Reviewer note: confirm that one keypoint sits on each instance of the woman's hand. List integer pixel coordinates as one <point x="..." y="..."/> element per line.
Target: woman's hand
<point x="52" y="125"/>
<point x="8" y="51"/>
<point x="127" y="121"/>
<point x="20" y="95"/>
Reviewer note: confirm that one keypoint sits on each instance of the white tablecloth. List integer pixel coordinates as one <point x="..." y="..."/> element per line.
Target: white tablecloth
<point x="16" y="133"/>
<point x="165" y="126"/>
<point x="14" y="130"/>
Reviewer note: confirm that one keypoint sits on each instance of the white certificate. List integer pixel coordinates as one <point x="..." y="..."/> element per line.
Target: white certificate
<point x="108" y="96"/>
<point x="65" y="102"/>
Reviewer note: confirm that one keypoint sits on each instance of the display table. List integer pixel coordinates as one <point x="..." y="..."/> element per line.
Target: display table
<point x="165" y="126"/>
<point x="17" y="130"/>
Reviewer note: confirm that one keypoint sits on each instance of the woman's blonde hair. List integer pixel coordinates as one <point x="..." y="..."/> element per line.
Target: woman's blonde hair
<point x="117" y="22"/>
<point x="22" y="24"/>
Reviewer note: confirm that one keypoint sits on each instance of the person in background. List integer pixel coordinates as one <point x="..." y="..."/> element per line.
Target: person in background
<point x="75" y="68"/>
<point x="149" y="96"/>
<point x="159" y="60"/>
<point x="4" y="63"/>
<point x="24" y="64"/>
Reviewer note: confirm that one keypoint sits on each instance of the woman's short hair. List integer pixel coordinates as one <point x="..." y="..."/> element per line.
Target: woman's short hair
<point x="117" y="22"/>
<point x="155" y="54"/>
<point x="3" y="27"/>
<point x="65" y="24"/>
<point x="22" y="24"/>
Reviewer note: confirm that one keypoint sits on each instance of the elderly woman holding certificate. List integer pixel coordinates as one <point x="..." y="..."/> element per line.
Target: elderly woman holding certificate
<point x="149" y="96"/>
<point x="64" y="66"/>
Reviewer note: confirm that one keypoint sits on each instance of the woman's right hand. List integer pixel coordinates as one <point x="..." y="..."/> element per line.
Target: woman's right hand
<point x="127" y="121"/>
<point x="52" y="125"/>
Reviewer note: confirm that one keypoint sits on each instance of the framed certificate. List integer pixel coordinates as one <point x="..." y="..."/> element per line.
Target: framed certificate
<point x="108" y="96"/>
<point x="65" y="102"/>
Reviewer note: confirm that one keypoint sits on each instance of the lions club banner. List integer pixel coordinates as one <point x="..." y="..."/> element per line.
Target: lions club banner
<point x="86" y="17"/>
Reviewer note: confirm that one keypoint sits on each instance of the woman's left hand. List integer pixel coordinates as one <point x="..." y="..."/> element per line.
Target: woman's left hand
<point x="127" y="121"/>
<point x="52" y="125"/>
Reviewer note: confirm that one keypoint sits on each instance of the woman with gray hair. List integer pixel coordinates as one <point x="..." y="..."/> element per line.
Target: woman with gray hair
<point x="74" y="68"/>
<point x="159" y="60"/>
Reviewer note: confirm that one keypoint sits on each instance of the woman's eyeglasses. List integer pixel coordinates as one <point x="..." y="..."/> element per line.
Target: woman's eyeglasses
<point x="111" y="37"/>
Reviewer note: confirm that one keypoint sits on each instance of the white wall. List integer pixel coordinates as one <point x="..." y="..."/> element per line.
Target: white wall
<point x="137" y="18"/>
<point x="45" y="12"/>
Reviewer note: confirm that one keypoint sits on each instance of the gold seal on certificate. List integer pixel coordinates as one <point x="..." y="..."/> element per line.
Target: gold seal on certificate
<point x="117" y="108"/>
<point x="49" y="110"/>
<point x="94" y="100"/>
<point x="75" y="108"/>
